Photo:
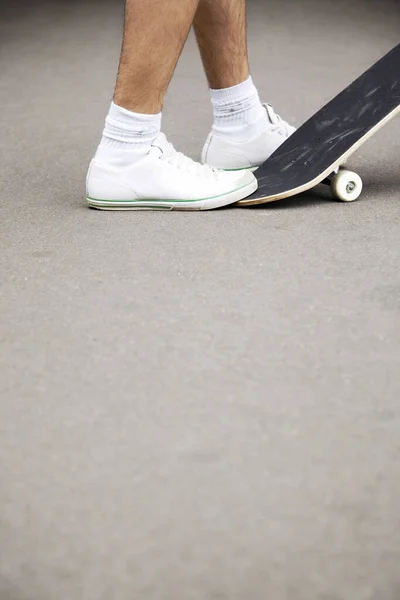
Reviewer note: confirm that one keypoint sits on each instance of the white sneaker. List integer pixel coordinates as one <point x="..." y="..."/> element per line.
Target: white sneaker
<point x="228" y="155"/>
<point x="165" y="179"/>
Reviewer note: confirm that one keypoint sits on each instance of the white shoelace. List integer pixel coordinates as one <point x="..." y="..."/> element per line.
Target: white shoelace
<point x="181" y="161"/>
<point x="277" y="123"/>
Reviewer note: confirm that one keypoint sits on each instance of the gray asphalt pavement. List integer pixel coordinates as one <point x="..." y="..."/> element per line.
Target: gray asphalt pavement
<point x="195" y="406"/>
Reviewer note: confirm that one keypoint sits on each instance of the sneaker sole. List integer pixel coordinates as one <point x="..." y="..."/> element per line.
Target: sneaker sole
<point x="243" y="169"/>
<point x="203" y="204"/>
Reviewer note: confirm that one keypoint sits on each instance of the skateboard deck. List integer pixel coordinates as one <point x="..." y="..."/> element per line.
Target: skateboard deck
<point x="315" y="151"/>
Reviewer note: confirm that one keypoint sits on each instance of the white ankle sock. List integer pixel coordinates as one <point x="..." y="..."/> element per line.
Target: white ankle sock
<point x="238" y="112"/>
<point x="127" y="136"/>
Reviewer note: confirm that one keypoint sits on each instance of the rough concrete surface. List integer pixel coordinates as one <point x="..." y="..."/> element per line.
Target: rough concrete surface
<point x="195" y="406"/>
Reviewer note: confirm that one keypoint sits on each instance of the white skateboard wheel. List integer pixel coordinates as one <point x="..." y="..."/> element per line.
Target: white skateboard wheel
<point x="346" y="186"/>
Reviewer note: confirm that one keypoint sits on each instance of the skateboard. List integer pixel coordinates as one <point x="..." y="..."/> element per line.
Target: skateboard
<point x="316" y="151"/>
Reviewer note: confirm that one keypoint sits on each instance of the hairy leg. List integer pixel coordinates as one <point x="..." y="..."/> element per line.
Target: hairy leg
<point x="154" y="35"/>
<point x="221" y="32"/>
<point x="134" y="165"/>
